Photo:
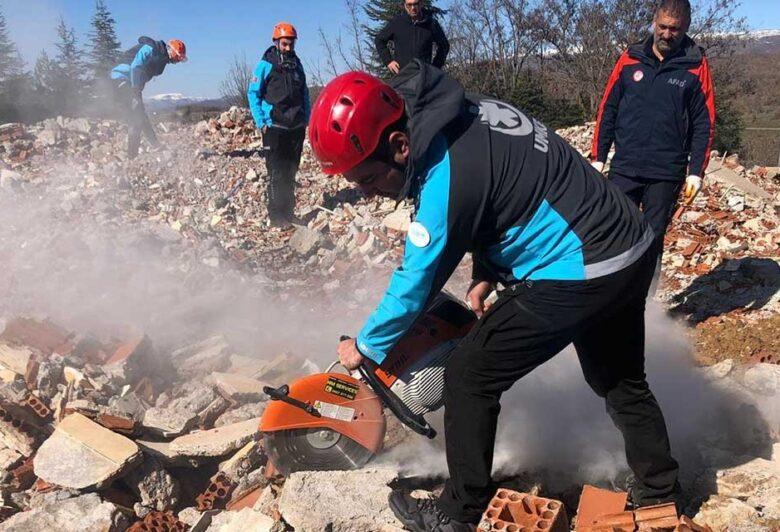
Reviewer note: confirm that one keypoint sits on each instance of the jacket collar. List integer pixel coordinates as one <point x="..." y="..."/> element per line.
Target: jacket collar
<point x="688" y="56"/>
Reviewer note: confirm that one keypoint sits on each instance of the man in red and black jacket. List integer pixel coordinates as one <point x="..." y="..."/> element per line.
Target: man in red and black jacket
<point x="659" y="110"/>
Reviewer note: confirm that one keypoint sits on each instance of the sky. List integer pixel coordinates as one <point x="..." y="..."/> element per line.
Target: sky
<point x="216" y="30"/>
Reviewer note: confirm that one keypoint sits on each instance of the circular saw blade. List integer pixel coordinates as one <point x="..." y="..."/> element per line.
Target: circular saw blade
<point x="317" y="449"/>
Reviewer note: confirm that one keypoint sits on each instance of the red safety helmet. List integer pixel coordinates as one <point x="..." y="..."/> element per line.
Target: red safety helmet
<point x="348" y="119"/>
<point x="284" y="29"/>
<point x="177" y="50"/>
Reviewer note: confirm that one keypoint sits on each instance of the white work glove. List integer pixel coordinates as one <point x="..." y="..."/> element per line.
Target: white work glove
<point x="598" y="165"/>
<point x="692" y="187"/>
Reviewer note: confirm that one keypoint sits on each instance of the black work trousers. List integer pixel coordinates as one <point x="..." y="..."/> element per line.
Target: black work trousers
<point x="282" y="160"/>
<point x="132" y="106"/>
<point x="529" y="324"/>
<point x="657" y="200"/>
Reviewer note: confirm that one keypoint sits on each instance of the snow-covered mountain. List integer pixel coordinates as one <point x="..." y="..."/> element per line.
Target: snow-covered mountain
<point x="766" y="41"/>
<point x="172" y="101"/>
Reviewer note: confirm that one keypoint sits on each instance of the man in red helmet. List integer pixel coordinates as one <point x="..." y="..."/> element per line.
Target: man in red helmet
<point x="137" y="66"/>
<point x="572" y="253"/>
<point x="279" y="100"/>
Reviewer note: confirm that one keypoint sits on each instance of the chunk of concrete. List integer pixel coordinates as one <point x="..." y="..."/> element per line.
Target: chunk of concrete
<point x="306" y="241"/>
<point x="156" y="488"/>
<point x="728" y="176"/>
<point x="202" y="358"/>
<point x="246" y="519"/>
<point x="398" y="220"/>
<point x="216" y="442"/>
<point x="179" y="415"/>
<point x="238" y="387"/>
<point x="87" y="512"/>
<point x="82" y="454"/>
<point x="763" y="379"/>
<point x="348" y="501"/>
<point x="242" y="413"/>
<point x="720" y="513"/>
<point x="15" y="359"/>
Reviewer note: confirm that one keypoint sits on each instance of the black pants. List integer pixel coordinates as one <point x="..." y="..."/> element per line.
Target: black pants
<point x="529" y="324"/>
<point x="134" y="112"/>
<point x="282" y="163"/>
<point x="657" y="200"/>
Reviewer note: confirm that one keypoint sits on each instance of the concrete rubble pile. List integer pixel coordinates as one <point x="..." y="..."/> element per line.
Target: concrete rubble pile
<point x="100" y="432"/>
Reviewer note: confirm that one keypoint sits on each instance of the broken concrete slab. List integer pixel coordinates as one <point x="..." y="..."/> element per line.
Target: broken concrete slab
<point x="202" y="358"/>
<point x="306" y="241"/>
<point x="246" y="519"/>
<point x="9" y="458"/>
<point x="242" y="413"/>
<point x="238" y="387"/>
<point x="763" y="379"/>
<point x="216" y="442"/>
<point x="721" y="513"/>
<point x="348" y="501"/>
<point x="398" y="220"/>
<point x="78" y="514"/>
<point x="14" y="358"/>
<point x="82" y="454"/>
<point x="728" y="176"/>
<point x="173" y="417"/>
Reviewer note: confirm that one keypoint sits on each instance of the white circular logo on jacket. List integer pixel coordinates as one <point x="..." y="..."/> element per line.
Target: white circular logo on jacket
<point x="419" y="235"/>
<point x="504" y="118"/>
<point x="638" y="75"/>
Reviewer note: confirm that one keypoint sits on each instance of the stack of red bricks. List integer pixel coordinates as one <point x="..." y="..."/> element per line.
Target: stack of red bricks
<point x="599" y="511"/>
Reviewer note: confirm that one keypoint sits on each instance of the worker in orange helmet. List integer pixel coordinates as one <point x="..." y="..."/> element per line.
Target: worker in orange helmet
<point x="279" y="100"/>
<point x="137" y="66"/>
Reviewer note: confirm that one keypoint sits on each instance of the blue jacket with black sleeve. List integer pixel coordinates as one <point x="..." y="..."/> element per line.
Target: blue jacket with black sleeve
<point x="490" y="180"/>
<point x="278" y="94"/>
<point x="141" y="63"/>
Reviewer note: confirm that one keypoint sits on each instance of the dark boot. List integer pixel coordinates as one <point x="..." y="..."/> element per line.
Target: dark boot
<point x="423" y="515"/>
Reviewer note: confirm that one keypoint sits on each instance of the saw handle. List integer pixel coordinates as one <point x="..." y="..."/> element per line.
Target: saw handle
<point x="282" y="393"/>
<point x="416" y="422"/>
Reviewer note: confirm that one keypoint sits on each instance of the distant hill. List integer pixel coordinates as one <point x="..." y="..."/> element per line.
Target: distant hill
<point x="161" y="103"/>
<point x="764" y="41"/>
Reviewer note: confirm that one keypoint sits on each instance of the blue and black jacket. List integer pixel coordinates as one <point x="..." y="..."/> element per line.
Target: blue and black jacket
<point x="488" y="179"/>
<point x="141" y="63"/>
<point x="660" y="115"/>
<point x="278" y="95"/>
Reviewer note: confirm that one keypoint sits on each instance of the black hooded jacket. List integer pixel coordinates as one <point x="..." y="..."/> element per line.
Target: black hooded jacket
<point x="488" y="179"/>
<point x="660" y="115"/>
<point x="412" y="40"/>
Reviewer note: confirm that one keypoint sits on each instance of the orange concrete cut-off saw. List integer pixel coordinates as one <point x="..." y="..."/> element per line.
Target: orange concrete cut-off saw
<point x="332" y="421"/>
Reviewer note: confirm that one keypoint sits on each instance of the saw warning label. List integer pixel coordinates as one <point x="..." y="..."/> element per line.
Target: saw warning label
<point x="341" y="388"/>
<point x="342" y="413"/>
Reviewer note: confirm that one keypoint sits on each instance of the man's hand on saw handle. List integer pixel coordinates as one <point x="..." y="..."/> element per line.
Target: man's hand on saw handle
<point x="349" y="356"/>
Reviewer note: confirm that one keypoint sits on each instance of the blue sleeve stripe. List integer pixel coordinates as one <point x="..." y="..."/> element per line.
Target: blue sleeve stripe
<point x="137" y="72"/>
<point x="261" y="110"/>
<point x="545" y="247"/>
<point x="411" y="283"/>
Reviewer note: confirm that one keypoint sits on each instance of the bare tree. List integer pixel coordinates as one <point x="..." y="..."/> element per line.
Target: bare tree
<point x="585" y="37"/>
<point x="347" y="49"/>
<point x="492" y="41"/>
<point x="234" y="87"/>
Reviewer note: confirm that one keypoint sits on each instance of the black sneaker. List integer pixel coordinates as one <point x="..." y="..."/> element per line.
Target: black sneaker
<point x="637" y="500"/>
<point x="423" y="515"/>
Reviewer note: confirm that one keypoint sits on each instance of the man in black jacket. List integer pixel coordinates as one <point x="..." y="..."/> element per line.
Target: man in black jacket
<point x="413" y="34"/>
<point x="659" y="110"/>
<point x="571" y="250"/>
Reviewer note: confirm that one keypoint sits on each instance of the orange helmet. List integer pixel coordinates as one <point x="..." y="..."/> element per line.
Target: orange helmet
<point x="285" y="29"/>
<point x="177" y="50"/>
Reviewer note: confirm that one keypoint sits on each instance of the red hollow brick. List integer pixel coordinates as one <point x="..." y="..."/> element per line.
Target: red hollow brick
<point x="512" y="511"/>
<point x="595" y="502"/>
